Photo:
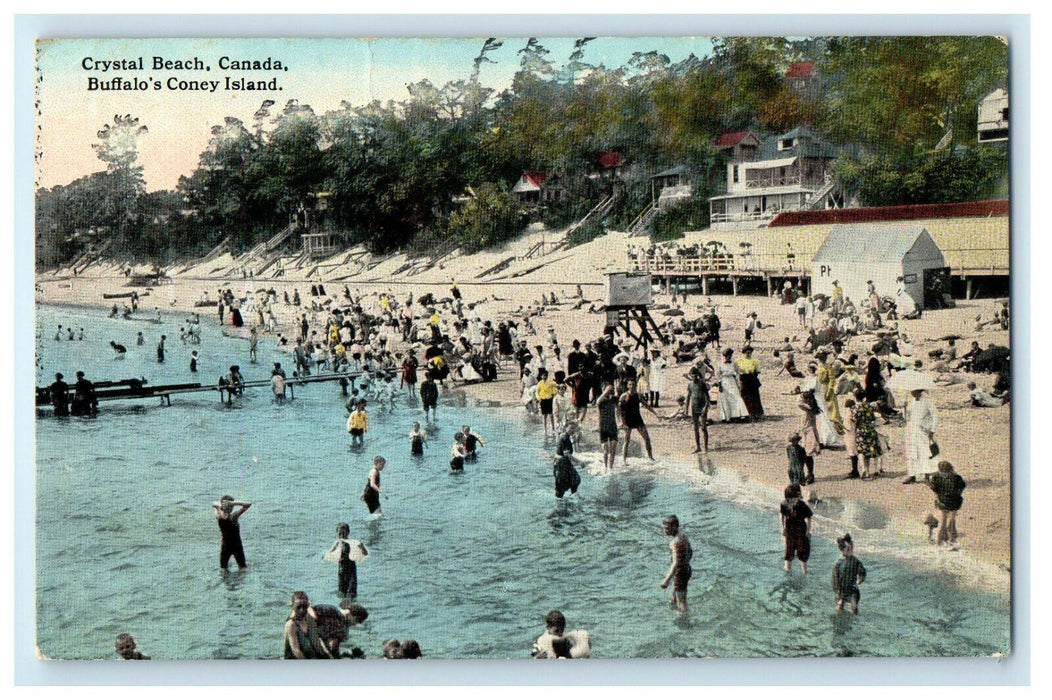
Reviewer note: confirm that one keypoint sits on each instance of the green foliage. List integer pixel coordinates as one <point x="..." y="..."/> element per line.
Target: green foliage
<point x="589" y="231"/>
<point x="393" y="172"/>
<point x="953" y="175"/>
<point x="490" y="217"/>
<point x="690" y="215"/>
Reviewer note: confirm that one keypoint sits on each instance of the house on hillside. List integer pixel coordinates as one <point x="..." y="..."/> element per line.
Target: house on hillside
<point x="670" y="187"/>
<point x="993" y="117"/>
<point x="790" y="172"/>
<point x="609" y="164"/>
<point x="803" y="79"/>
<point x="536" y="187"/>
<point x="738" y="145"/>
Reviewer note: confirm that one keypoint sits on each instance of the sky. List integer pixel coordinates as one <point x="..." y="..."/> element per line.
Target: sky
<point x="320" y="72"/>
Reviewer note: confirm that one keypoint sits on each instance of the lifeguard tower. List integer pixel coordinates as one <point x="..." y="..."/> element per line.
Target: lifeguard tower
<point x="628" y="307"/>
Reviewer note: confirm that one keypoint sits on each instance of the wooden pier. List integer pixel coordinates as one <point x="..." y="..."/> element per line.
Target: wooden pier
<point x="966" y="264"/>
<point x="138" y="389"/>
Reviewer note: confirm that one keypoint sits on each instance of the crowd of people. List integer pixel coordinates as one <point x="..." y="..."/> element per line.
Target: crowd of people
<point x="846" y="400"/>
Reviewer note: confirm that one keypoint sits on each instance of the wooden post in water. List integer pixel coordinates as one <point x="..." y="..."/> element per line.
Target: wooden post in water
<point x="734" y="286"/>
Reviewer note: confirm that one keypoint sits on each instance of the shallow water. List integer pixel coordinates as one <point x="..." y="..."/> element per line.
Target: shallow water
<point x="467" y="564"/>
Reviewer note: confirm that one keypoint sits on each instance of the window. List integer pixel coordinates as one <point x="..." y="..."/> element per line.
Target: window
<point x="734" y="174"/>
<point x="786" y="144"/>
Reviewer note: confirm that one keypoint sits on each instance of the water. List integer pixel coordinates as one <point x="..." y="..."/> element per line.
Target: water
<point x="466" y="564"/>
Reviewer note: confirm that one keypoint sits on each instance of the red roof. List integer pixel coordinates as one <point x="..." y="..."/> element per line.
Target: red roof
<point x="609" y="159"/>
<point x="800" y="69"/>
<point x="990" y="207"/>
<point x="731" y="139"/>
<point x="534" y="177"/>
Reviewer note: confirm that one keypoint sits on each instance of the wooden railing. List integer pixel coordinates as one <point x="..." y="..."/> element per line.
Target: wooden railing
<point x="720" y="262"/>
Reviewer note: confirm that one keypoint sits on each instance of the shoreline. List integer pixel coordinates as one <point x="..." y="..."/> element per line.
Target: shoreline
<point x="747" y="457"/>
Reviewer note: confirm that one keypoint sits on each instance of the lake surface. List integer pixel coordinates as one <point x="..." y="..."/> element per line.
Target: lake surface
<point x="466" y="564"/>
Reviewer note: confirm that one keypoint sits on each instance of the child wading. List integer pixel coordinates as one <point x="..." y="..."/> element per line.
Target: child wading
<point x="848" y="575"/>
<point x="371" y="493"/>
<point x="417" y="440"/>
<point x="456" y="453"/>
<point x="796" y="527"/>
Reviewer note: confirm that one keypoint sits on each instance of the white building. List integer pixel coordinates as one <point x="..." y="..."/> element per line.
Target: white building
<point x="790" y="172"/>
<point x="855" y="253"/>
<point x="993" y="117"/>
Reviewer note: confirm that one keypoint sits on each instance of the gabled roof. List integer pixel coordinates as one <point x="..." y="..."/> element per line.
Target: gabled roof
<point x="678" y="170"/>
<point x="530" y="181"/>
<point x="806" y="144"/>
<point x="800" y="69"/>
<point x="872" y="242"/>
<point x="733" y="138"/>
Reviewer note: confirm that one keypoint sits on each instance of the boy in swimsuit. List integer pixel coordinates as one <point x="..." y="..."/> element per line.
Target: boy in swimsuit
<point x="796" y="526"/>
<point x="357" y="424"/>
<point x="230" y="531"/>
<point x="471" y="444"/>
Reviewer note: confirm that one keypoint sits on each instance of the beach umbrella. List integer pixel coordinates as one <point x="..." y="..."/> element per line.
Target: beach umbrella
<point x="910" y="380"/>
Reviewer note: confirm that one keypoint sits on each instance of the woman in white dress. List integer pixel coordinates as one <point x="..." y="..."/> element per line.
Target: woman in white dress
<point x="657" y="377"/>
<point x="827" y="432"/>
<point x="730" y="406"/>
<point x="921" y="423"/>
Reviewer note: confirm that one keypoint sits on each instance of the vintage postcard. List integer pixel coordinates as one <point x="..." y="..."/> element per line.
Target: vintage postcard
<point x="512" y="347"/>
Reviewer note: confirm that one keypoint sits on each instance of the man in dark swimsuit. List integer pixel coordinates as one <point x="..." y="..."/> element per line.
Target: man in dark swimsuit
<point x="631" y="419"/>
<point x="60" y="396"/>
<point x="84" y="401"/>
<point x="230" y="531"/>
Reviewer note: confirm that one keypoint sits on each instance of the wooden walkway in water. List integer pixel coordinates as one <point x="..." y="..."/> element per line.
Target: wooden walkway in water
<point x="138" y="389"/>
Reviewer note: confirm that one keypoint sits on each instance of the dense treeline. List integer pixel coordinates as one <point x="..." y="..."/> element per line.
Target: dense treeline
<point x="389" y="174"/>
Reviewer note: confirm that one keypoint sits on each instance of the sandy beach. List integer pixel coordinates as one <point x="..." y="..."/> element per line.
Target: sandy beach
<point x="884" y="515"/>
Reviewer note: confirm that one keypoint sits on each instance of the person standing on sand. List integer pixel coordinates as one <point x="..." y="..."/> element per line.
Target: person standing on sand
<point x="921" y="449"/>
<point x="230" y="531"/>
<point x="948" y="487"/>
<point x="631" y="419"/>
<point x="730" y="405"/>
<point x="698" y="404"/>
<point x="809" y="434"/>
<point x="679" y="571"/>
<point x="749" y="377"/>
